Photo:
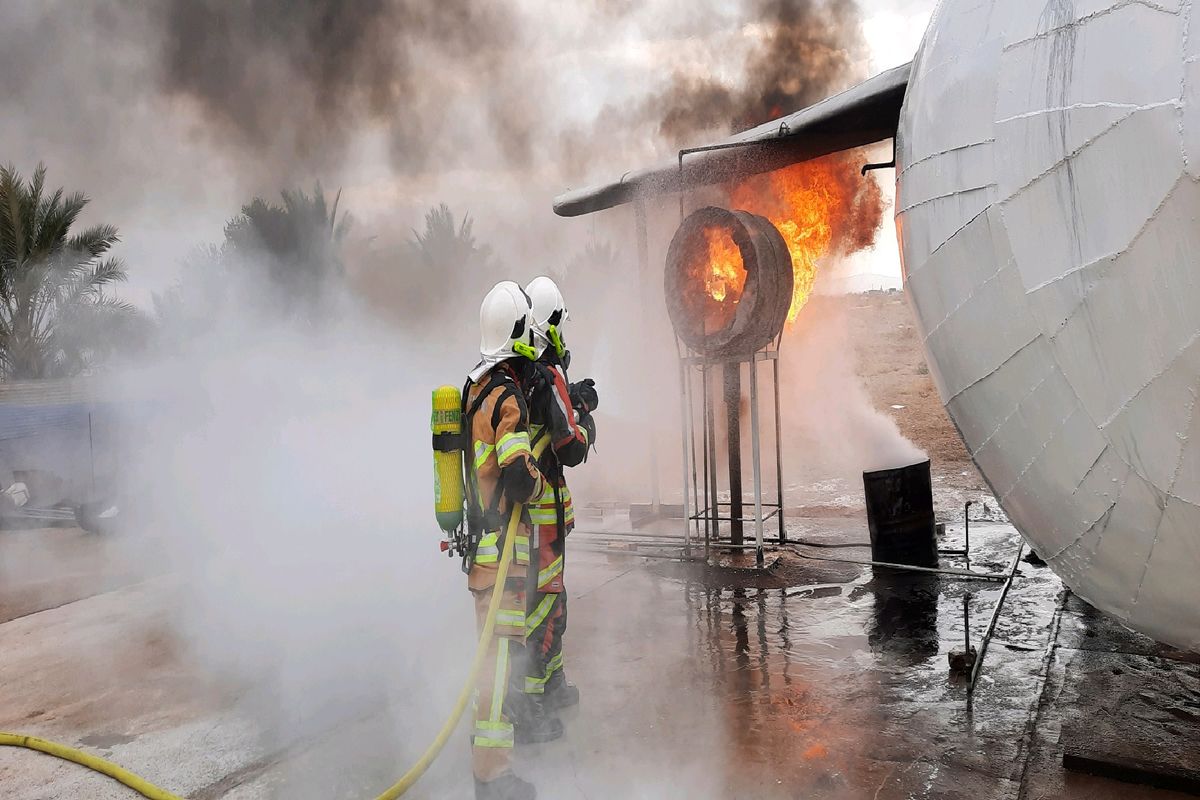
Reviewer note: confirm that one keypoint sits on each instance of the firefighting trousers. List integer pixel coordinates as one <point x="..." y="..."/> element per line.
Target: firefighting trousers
<point x="544" y="640"/>
<point x="492" y="738"/>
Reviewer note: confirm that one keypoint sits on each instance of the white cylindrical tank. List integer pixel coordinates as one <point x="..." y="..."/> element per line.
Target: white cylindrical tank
<point x="1048" y="206"/>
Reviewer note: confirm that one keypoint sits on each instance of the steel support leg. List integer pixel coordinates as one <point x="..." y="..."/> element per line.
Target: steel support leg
<point x="756" y="455"/>
<point x="733" y="421"/>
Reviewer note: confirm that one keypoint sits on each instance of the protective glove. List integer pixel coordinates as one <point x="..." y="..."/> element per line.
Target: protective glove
<point x="583" y="396"/>
<point x="588" y="424"/>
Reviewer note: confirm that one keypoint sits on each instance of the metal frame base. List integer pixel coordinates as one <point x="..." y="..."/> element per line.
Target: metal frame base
<point x="702" y="506"/>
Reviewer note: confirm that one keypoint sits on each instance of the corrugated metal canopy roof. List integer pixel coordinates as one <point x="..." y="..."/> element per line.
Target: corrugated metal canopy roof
<point x="863" y="115"/>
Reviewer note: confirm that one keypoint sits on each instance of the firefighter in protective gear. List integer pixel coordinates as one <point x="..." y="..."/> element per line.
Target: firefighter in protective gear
<point x="501" y="471"/>
<point x="571" y="431"/>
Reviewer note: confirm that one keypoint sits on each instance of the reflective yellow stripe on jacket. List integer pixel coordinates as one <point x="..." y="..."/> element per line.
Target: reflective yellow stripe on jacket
<point x="550" y="572"/>
<point x="488" y="551"/>
<point x="511" y="445"/>
<point x="482" y="451"/>
<point x="542" y="511"/>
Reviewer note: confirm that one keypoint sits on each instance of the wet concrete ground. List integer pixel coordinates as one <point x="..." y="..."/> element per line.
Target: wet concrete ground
<point x="830" y="682"/>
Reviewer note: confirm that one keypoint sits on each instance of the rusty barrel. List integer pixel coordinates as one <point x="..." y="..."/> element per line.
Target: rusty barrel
<point x="745" y="321"/>
<point x="900" y="515"/>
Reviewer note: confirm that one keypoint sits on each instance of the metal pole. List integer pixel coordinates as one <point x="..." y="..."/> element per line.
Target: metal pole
<point x="733" y="422"/>
<point x="703" y="460"/>
<point x="685" y="413"/>
<point x="756" y="455"/>
<point x="778" y="447"/>
<point x="643" y="253"/>
<point x="712" y="528"/>
<point x="967" y="532"/>
<point x="987" y="635"/>
<point x="691" y="421"/>
<point x="641" y="539"/>
<point x="957" y="573"/>
<point x="967" y="624"/>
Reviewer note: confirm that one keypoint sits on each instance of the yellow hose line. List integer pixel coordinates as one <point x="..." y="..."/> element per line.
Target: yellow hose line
<point x="149" y="790"/>
<point x="464" y="696"/>
<point x="94" y="763"/>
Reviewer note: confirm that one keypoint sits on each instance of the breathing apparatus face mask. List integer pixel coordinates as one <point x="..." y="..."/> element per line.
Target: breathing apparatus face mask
<point x="522" y="348"/>
<point x="552" y="334"/>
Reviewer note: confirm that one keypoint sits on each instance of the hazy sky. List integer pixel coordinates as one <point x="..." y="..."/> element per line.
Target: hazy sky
<point x="84" y="93"/>
<point x="893" y="30"/>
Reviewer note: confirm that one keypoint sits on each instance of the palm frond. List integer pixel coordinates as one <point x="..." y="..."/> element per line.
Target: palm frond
<point x="95" y="240"/>
<point x="293" y="243"/>
<point x="54" y="317"/>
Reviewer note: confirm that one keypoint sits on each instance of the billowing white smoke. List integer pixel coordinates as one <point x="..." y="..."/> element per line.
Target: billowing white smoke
<point x="284" y="473"/>
<point x="832" y="427"/>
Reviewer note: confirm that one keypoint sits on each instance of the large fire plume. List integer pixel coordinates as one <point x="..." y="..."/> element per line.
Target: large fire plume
<point x="825" y="209"/>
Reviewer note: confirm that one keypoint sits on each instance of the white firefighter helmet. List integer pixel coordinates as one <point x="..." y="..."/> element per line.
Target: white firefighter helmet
<point x="549" y="312"/>
<point x="506" y="324"/>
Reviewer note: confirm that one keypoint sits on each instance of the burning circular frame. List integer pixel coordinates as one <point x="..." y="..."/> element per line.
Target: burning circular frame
<point x="728" y="281"/>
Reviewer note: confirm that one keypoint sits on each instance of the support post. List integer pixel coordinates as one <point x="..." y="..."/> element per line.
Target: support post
<point x="967" y="624"/>
<point x="967" y="532"/>
<point x="778" y="447"/>
<point x="733" y="422"/>
<point x="756" y="456"/>
<point x="643" y="254"/>
<point x="712" y="525"/>
<point x="691" y="437"/>
<point x="685" y="438"/>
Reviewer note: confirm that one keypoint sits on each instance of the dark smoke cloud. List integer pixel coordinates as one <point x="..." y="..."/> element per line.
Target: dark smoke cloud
<point x="296" y="82"/>
<point x="283" y="90"/>
<point x="796" y="53"/>
<point x="809" y="50"/>
<point x="301" y="79"/>
<point x="173" y="114"/>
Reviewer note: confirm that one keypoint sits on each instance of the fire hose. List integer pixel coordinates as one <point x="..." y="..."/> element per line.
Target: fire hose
<point x="149" y="790"/>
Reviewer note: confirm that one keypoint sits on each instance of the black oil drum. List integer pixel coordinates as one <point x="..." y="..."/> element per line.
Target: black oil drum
<point x="900" y="515"/>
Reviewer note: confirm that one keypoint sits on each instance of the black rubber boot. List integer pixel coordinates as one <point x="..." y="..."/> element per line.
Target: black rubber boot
<point x="560" y="693"/>
<point x="506" y="787"/>
<point x="532" y="723"/>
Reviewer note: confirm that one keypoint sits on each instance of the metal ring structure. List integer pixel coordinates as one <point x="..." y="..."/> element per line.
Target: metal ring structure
<point x="762" y="308"/>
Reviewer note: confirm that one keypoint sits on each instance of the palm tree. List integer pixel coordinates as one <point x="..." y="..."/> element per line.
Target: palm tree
<point x="55" y="318"/>
<point x="298" y="243"/>
<point x="442" y="248"/>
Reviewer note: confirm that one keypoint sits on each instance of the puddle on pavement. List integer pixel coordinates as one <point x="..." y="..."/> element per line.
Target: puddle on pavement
<point x="832" y="674"/>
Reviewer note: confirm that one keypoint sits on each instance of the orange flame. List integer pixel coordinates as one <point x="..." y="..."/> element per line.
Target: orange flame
<point x="718" y="267"/>
<point x="818" y="206"/>
<point x="726" y="272"/>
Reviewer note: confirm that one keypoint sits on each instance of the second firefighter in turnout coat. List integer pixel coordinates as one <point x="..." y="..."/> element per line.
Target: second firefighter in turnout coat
<point x="561" y="413"/>
<point x="501" y="474"/>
